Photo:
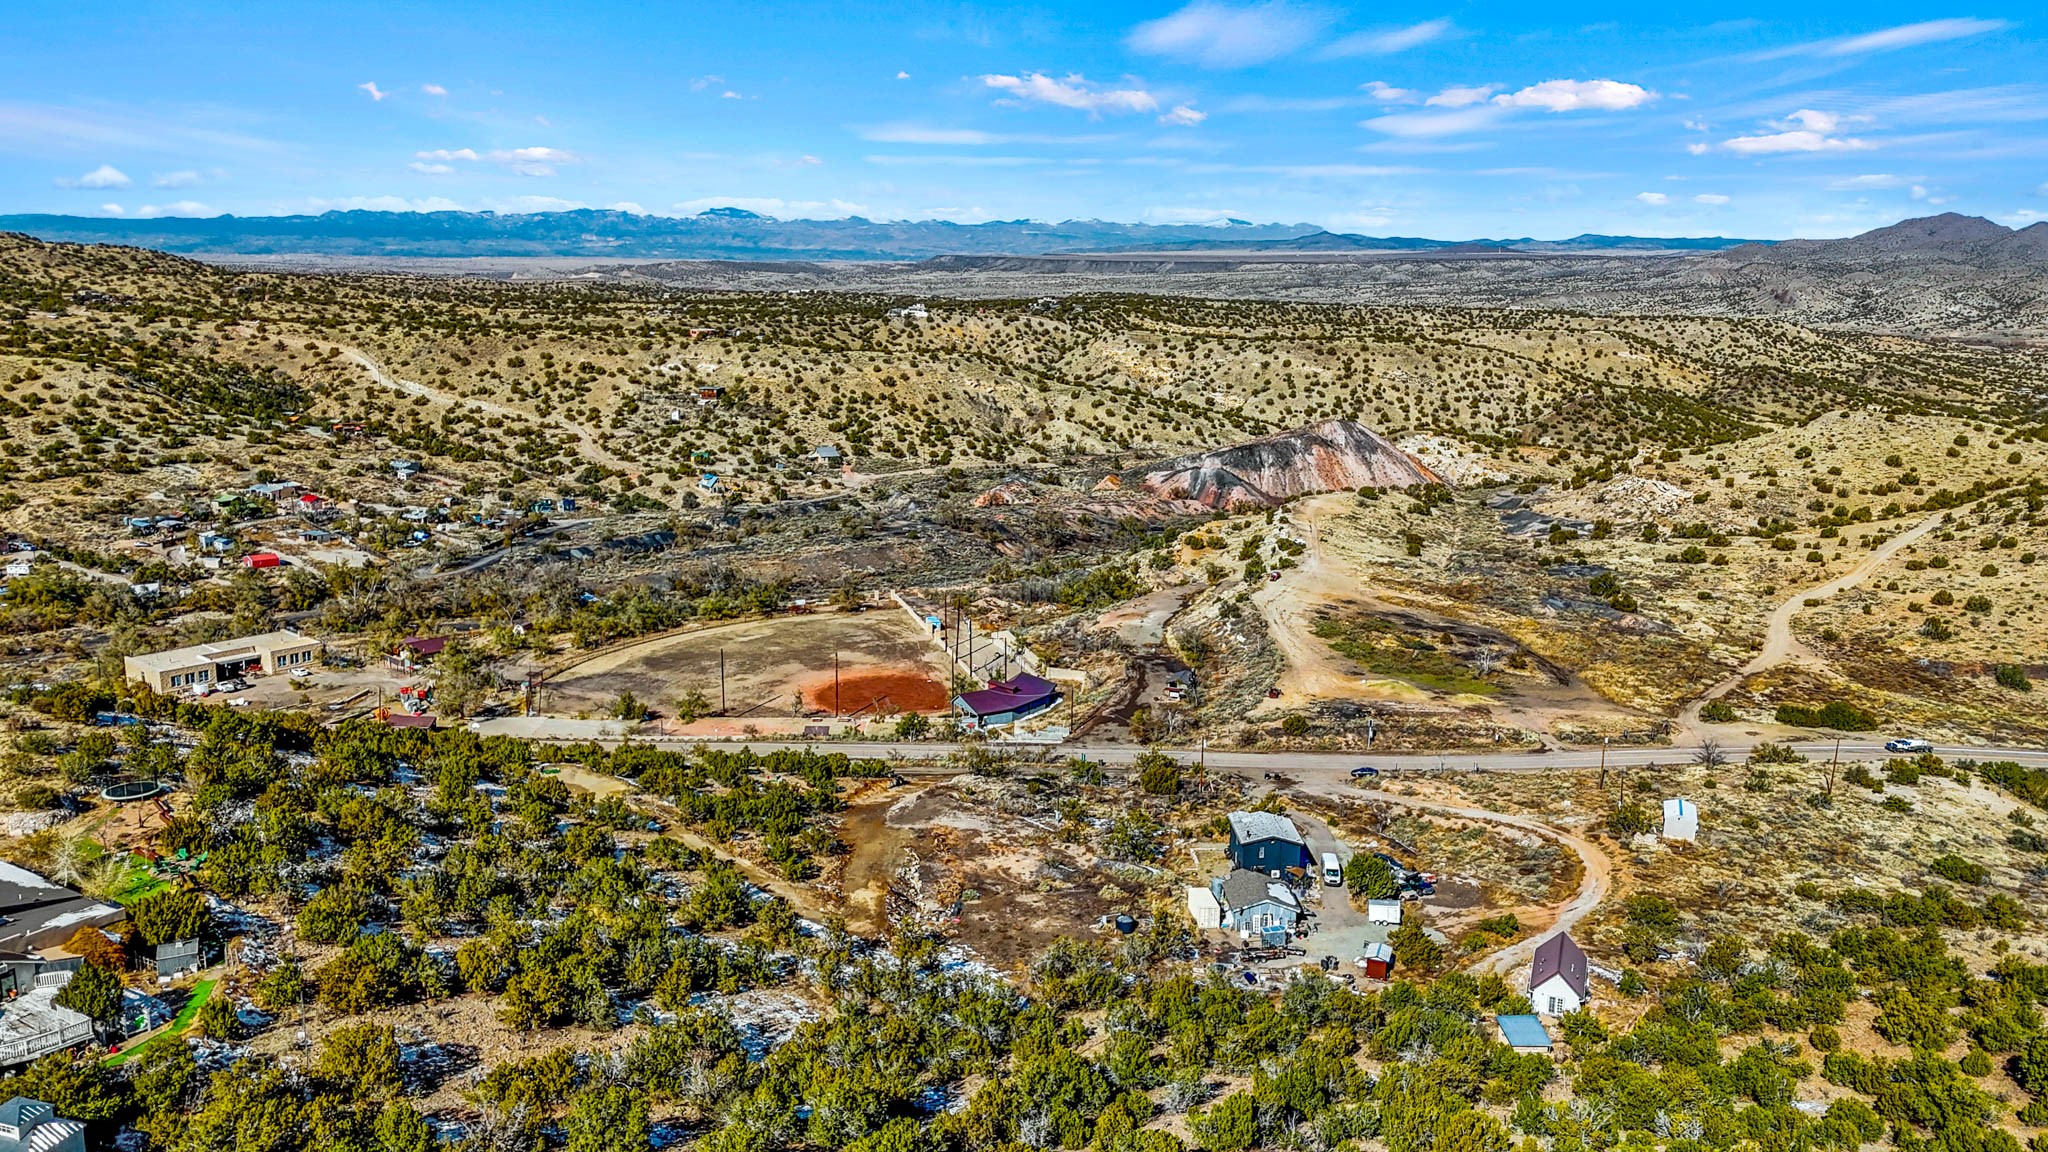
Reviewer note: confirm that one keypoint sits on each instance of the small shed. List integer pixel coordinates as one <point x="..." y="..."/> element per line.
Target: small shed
<point x="1205" y="908"/>
<point x="263" y="560"/>
<point x="1524" y="1034"/>
<point x="177" y="957"/>
<point x="1681" y="819"/>
<point x="1378" y="961"/>
<point x="1382" y="911"/>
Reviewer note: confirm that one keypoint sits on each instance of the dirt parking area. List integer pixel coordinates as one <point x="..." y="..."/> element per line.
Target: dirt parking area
<point x="773" y="666"/>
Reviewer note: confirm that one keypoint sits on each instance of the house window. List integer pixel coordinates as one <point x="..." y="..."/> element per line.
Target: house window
<point x="205" y="674"/>
<point x="1556" y="1006"/>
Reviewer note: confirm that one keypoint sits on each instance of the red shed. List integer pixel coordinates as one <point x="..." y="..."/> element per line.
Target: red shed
<point x="263" y="560"/>
<point x="1378" y="961"/>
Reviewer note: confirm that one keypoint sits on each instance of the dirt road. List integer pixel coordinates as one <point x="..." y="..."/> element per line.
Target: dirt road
<point x="1779" y="643"/>
<point x="586" y="443"/>
<point x="1596" y="870"/>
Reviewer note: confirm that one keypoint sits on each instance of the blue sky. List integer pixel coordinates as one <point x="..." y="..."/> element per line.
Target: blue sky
<point x="1441" y="120"/>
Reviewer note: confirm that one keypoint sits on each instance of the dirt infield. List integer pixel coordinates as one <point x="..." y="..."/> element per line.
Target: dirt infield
<point x="776" y="666"/>
<point x="877" y="690"/>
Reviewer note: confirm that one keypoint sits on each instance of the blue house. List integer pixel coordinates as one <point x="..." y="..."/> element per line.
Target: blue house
<point x="1266" y="842"/>
<point x="1256" y="904"/>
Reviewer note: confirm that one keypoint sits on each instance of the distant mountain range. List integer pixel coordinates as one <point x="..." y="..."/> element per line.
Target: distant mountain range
<point x="737" y="234"/>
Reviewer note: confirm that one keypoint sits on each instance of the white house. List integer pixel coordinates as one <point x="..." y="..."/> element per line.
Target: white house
<point x="1681" y="819"/>
<point x="32" y="1126"/>
<point x="1557" y="977"/>
<point x="1205" y="908"/>
<point x="1382" y="911"/>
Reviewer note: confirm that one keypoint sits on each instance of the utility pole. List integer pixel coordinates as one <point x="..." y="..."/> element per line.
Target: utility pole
<point x="1603" y="762"/>
<point x="721" y="681"/>
<point x="836" y="709"/>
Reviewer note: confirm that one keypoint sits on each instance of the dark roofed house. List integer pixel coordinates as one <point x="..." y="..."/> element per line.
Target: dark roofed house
<point x="36" y="913"/>
<point x="1006" y="701"/>
<point x="424" y="646"/>
<point x="32" y="1126"/>
<point x="411" y="720"/>
<point x="1255" y="903"/>
<point x="1557" y="977"/>
<point x="1266" y="842"/>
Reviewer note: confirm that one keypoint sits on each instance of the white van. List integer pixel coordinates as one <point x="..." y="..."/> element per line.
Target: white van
<point x="1333" y="872"/>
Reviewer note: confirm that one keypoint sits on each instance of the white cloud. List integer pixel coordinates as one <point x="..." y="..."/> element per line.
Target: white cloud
<point x="1699" y="149"/>
<point x="1713" y="198"/>
<point x="919" y="134"/>
<point x="1458" y="96"/>
<point x="1928" y="195"/>
<point x="729" y="94"/>
<point x="111" y="209"/>
<point x="1073" y="92"/>
<point x="1389" y="41"/>
<point x="1868" y="181"/>
<point x="1426" y="125"/>
<point x="1381" y="90"/>
<point x="370" y="86"/>
<point x="629" y="207"/>
<point x="1892" y="39"/>
<point x="1578" y="95"/>
<point x="544" y="204"/>
<point x="776" y="206"/>
<point x="1653" y="197"/>
<point x="1184" y="116"/>
<point x="433" y="90"/>
<point x="2042" y="190"/>
<point x="700" y="83"/>
<point x="1806" y="130"/>
<point x="1794" y="141"/>
<point x="104" y="176"/>
<point x="1190" y="215"/>
<point x="383" y="204"/>
<point x="1224" y="36"/>
<point x="903" y="75"/>
<point x="532" y="161"/>
<point x="181" y="208"/>
<point x="184" y="179"/>
<point x="1815" y="121"/>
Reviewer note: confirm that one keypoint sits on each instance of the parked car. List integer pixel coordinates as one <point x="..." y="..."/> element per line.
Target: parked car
<point x="1363" y="771"/>
<point x="1909" y="745"/>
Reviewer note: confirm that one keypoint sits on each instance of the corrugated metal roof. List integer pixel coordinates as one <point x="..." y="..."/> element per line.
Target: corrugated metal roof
<point x="1250" y="826"/>
<point x="1560" y="956"/>
<point x="1523" y="1032"/>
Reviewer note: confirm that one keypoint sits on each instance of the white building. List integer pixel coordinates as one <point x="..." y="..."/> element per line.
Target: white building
<point x="1205" y="908"/>
<point x="1681" y="819"/>
<point x="1558" y="977"/>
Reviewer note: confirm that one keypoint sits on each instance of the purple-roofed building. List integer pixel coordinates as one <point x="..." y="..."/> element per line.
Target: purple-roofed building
<point x="1006" y="701"/>
<point x="1557" y="977"/>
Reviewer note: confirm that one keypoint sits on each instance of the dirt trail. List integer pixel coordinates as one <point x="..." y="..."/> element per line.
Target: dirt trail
<point x="1595" y="880"/>
<point x="586" y="443"/>
<point x="1309" y="669"/>
<point x="1779" y="643"/>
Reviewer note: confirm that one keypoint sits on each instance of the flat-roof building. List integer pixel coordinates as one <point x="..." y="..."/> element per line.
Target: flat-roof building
<point x="204" y="665"/>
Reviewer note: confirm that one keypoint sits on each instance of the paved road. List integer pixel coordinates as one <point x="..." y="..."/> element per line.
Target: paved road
<point x="1325" y="763"/>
